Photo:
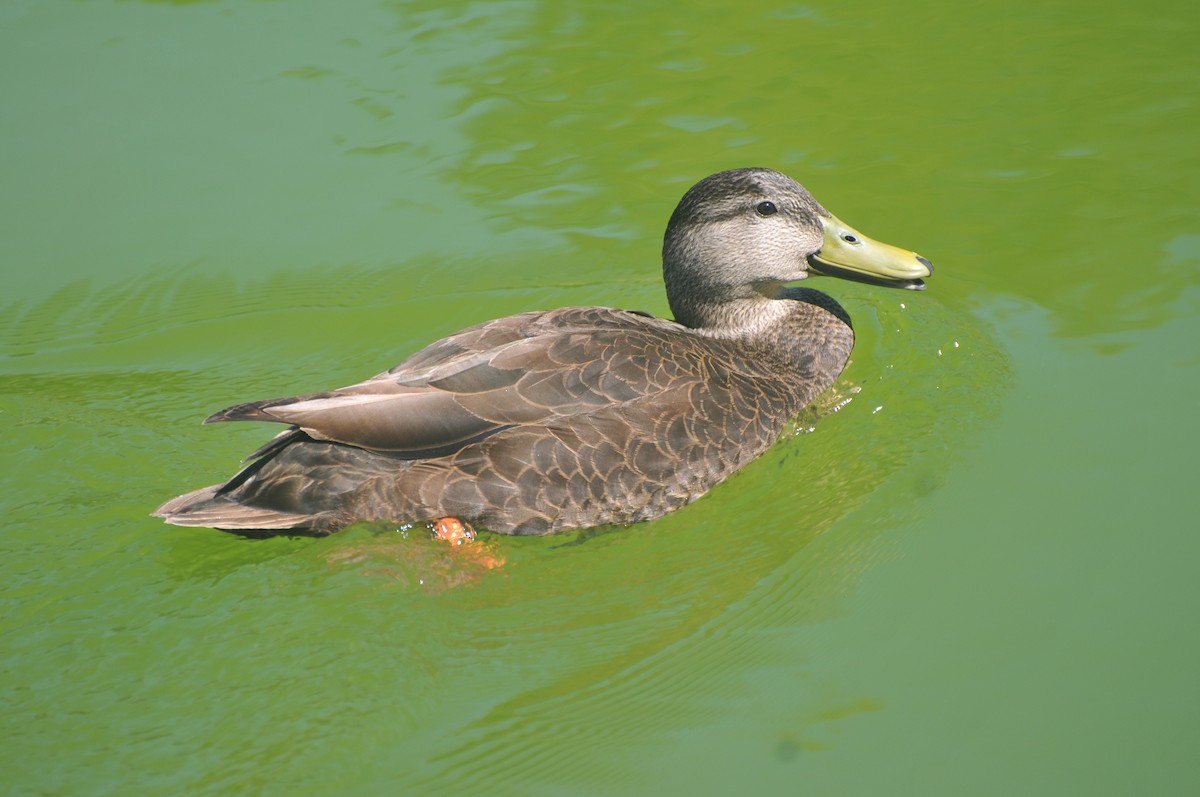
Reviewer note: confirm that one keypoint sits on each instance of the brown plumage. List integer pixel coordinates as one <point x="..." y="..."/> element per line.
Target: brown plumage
<point x="582" y="416"/>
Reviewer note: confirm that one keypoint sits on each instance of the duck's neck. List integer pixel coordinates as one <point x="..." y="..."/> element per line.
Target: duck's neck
<point x="797" y="326"/>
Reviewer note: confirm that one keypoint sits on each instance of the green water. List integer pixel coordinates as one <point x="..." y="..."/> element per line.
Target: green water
<point x="977" y="577"/>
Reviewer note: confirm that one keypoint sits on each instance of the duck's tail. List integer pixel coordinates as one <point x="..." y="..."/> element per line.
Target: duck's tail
<point x="209" y="508"/>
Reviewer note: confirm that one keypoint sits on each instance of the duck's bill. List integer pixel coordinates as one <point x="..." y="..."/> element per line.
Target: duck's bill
<point x="849" y="254"/>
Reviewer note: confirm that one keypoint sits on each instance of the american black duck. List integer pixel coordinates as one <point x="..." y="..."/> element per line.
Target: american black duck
<point x="546" y="421"/>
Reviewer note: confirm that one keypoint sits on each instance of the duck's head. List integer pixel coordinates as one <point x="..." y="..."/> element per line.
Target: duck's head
<point x="744" y="233"/>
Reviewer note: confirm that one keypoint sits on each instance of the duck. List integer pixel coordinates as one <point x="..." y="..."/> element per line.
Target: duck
<point x="548" y="421"/>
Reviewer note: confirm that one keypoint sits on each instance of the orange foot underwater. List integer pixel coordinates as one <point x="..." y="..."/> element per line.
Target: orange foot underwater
<point x="453" y="530"/>
<point x="459" y="532"/>
<point x="426" y="562"/>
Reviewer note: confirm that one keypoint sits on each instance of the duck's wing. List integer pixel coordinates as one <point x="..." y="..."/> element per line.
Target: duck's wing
<point x="491" y="335"/>
<point x="522" y="370"/>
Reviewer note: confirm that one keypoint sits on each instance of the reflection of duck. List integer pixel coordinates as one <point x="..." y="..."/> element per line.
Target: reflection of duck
<point x="582" y="416"/>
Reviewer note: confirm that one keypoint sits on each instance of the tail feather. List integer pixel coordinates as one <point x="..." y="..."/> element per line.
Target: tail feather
<point x="205" y="507"/>
<point x="250" y="411"/>
<point x="260" y="410"/>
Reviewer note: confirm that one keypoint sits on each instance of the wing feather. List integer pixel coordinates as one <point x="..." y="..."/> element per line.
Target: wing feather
<point x="529" y="369"/>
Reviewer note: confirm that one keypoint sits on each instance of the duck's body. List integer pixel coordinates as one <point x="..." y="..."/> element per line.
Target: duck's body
<point x="576" y="417"/>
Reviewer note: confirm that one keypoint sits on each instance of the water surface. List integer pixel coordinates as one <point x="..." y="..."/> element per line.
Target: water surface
<point x="975" y="577"/>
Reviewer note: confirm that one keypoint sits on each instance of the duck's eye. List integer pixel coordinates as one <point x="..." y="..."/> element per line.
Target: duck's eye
<point x="766" y="209"/>
<point x="850" y="239"/>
